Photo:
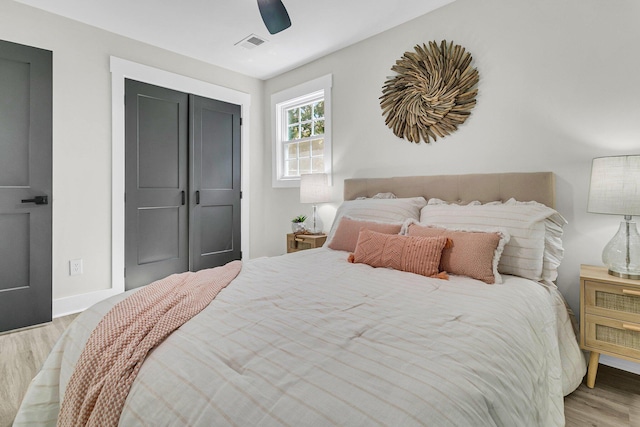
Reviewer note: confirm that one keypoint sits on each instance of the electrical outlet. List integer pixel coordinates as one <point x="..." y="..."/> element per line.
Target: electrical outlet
<point x="75" y="267"/>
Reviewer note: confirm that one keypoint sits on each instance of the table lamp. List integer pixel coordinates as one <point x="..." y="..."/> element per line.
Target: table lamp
<point x="314" y="188"/>
<point x="615" y="190"/>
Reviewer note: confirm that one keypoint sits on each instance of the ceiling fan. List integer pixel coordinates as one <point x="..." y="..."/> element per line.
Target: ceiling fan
<point x="274" y="15"/>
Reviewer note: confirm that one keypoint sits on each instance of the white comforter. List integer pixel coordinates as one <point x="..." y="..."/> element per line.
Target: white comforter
<point x="308" y="339"/>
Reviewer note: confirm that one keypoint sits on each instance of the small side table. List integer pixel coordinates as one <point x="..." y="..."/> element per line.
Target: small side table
<point x="300" y="242"/>
<point x="609" y="317"/>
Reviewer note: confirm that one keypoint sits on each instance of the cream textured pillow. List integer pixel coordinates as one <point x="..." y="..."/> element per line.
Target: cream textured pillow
<point x="435" y="201"/>
<point x="472" y="253"/>
<point x="345" y="237"/>
<point x="533" y="229"/>
<point x="380" y="210"/>
<point x="384" y="196"/>
<point x="553" y="249"/>
<point x="419" y="255"/>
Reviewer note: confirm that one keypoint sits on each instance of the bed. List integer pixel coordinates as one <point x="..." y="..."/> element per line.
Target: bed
<point x="311" y="339"/>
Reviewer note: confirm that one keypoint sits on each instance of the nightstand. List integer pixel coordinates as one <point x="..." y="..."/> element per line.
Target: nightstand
<point x="609" y="317"/>
<point x="300" y="242"/>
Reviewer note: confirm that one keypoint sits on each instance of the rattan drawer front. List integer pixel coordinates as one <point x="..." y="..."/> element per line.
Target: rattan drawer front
<point x="302" y="242"/>
<point x="614" y="336"/>
<point x="621" y="302"/>
<point x="297" y="245"/>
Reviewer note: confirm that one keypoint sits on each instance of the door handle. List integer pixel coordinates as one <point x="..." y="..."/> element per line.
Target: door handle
<point x="183" y="197"/>
<point x="197" y="197"/>
<point x="38" y="200"/>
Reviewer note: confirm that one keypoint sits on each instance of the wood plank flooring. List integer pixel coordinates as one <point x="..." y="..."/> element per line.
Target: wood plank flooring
<point x="22" y="354"/>
<point x="614" y="402"/>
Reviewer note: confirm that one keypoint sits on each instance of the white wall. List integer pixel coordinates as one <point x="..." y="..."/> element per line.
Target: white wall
<point x="558" y="86"/>
<point x="82" y="131"/>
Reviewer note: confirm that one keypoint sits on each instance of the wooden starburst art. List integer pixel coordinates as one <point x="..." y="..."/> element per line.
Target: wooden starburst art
<point x="432" y="92"/>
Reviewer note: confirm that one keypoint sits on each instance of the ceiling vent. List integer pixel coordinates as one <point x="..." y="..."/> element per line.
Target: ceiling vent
<point x="250" y="41"/>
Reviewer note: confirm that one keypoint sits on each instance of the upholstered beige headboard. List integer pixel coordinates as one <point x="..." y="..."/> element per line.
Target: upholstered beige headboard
<point x="523" y="186"/>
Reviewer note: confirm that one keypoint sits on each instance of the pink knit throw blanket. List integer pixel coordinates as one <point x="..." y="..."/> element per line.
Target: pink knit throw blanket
<point x="119" y="344"/>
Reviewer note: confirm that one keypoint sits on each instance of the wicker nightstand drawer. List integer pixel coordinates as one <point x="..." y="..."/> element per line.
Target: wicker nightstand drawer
<point x="619" y="301"/>
<point x="300" y="242"/>
<point x="613" y="336"/>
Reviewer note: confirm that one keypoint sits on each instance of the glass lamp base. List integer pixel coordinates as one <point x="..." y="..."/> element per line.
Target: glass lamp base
<point x="314" y="224"/>
<point x="622" y="253"/>
<point x="622" y="275"/>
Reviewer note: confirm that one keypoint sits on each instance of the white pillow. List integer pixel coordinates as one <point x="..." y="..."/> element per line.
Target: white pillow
<point x="379" y="210"/>
<point x="553" y="250"/>
<point x="435" y="201"/>
<point x="379" y="196"/>
<point x="535" y="248"/>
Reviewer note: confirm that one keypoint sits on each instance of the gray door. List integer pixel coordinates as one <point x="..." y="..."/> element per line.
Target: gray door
<point x="215" y="183"/>
<point x="182" y="183"/>
<point x="156" y="162"/>
<point x="25" y="185"/>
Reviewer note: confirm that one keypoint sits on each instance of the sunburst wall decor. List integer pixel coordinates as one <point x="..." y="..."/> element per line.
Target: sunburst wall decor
<point x="431" y="94"/>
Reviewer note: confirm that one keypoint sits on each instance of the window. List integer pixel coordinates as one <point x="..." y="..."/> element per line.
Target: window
<point x="303" y="139"/>
<point x="302" y="131"/>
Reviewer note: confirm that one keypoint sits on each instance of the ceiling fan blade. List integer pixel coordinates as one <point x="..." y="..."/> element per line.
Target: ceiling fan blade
<point x="274" y="15"/>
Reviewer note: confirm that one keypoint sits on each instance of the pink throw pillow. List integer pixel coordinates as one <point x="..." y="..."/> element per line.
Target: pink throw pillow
<point x="420" y="255"/>
<point x="472" y="254"/>
<point x="346" y="235"/>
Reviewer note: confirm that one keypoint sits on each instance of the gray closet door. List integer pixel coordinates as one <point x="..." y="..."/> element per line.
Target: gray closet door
<point x="215" y="183"/>
<point x="156" y="217"/>
<point x="25" y="185"/>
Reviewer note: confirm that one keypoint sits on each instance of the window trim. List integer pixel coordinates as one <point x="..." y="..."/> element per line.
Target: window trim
<point x="280" y="101"/>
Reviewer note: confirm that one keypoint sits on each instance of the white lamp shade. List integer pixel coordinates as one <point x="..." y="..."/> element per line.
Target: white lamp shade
<point x="615" y="185"/>
<point x="314" y="188"/>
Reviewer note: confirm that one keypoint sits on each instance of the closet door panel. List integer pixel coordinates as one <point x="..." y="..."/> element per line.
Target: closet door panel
<point x="156" y="183"/>
<point x="161" y="228"/>
<point x="217" y="150"/>
<point x="216" y="239"/>
<point x="158" y="143"/>
<point x="215" y="215"/>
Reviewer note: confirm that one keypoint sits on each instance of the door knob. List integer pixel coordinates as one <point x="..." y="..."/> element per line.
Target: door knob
<point x="38" y="200"/>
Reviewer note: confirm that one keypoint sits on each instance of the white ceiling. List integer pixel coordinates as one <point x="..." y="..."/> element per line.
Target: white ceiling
<point x="209" y="29"/>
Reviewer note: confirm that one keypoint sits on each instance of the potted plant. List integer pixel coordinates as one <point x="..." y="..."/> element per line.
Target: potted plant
<point x="297" y="224"/>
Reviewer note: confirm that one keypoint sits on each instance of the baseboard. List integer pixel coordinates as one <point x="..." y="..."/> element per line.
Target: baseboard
<point x="78" y="303"/>
<point x="625" y="365"/>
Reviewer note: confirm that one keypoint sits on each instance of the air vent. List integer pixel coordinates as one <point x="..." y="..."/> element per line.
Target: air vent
<point x="250" y="41"/>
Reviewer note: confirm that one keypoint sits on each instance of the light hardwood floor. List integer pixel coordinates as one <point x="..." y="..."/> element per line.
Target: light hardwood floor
<point x="22" y="354"/>
<point x="614" y="402"/>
